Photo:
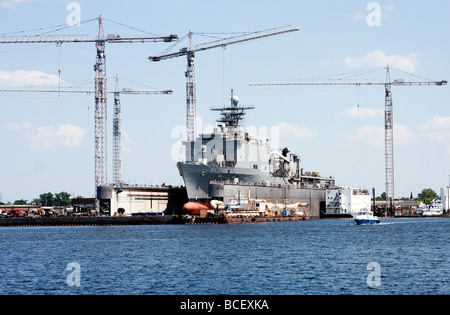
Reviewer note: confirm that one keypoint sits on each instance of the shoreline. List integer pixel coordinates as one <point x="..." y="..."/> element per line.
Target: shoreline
<point x="153" y="220"/>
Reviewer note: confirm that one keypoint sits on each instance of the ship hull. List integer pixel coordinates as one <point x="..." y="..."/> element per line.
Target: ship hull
<point x="367" y="221"/>
<point x="198" y="178"/>
<point x="205" y="183"/>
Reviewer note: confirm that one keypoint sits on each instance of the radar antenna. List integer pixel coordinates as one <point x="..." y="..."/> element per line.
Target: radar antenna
<point x="233" y="114"/>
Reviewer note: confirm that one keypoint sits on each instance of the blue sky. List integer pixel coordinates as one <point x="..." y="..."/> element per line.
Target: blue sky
<point x="48" y="139"/>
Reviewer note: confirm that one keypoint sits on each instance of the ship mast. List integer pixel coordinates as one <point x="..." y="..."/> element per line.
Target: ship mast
<point x="233" y="114"/>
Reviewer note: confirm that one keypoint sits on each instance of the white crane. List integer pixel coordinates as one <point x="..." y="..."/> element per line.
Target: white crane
<point x="389" y="116"/>
<point x="117" y="127"/>
<point x="190" y="51"/>
<point x="101" y="143"/>
<point x="117" y="118"/>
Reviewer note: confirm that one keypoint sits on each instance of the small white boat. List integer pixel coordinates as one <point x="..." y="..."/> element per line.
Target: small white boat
<point x="434" y="210"/>
<point x="366" y="217"/>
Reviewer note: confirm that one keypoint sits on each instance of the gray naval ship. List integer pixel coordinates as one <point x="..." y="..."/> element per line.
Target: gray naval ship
<point x="230" y="166"/>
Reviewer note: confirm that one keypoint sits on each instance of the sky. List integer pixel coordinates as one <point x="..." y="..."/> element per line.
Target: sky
<point x="47" y="140"/>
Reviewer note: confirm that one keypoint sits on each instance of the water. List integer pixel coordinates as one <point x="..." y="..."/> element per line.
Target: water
<point x="291" y="258"/>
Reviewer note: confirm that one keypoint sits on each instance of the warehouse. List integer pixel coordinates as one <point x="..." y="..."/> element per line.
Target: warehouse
<point x="141" y="200"/>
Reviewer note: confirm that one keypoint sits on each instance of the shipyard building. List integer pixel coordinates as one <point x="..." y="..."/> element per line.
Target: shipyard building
<point x="141" y="200"/>
<point x="445" y="197"/>
<point x="347" y="201"/>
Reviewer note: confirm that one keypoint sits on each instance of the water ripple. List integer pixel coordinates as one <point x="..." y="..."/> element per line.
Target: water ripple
<point x="292" y="258"/>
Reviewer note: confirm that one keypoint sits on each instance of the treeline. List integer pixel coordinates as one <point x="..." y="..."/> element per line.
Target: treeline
<point x="426" y="196"/>
<point x="62" y="199"/>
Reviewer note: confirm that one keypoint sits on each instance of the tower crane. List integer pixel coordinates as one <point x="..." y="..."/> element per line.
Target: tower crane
<point x="190" y="51"/>
<point x="389" y="117"/>
<point x="117" y="127"/>
<point x="117" y="118"/>
<point x="101" y="170"/>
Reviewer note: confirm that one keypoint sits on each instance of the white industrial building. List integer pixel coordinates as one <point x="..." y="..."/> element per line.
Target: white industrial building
<point x="445" y="197"/>
<point x="347" y="201"/>
<point x="141" y="200"/>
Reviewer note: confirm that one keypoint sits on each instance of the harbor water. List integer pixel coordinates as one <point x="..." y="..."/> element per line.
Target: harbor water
<point x="332" y="257"/>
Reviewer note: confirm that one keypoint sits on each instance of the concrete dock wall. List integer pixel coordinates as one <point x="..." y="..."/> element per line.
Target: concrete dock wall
<point x="74" y="221"/>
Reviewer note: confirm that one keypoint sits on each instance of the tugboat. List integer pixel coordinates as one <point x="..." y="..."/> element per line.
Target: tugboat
<point x="366" y="217"/>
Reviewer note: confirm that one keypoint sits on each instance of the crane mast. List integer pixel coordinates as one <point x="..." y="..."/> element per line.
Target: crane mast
<point x="117" y="118"/>
<point x="117" y="128"/>
<point x="191" y="91"/>
<point x="190" y="51"/>
<point x="101" y="108"/>
<point x="389" y="141"/>
<point x="101" y="140"/>
<point x="117" y="137"/>
<point x="389" y="118"/>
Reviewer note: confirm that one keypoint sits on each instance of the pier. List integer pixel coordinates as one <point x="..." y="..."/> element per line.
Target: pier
<point x="139" y="220"/>
<point x="90" y="221"/>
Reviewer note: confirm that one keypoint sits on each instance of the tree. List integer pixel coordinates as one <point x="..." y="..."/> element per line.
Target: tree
<point x="20" y="202"/>
<point x="382" y="197"/>
<point x="36" y="202"/>
<point x="47" y="200"/>
<point x="427" y="195"/>
<point x="62" y="199"/>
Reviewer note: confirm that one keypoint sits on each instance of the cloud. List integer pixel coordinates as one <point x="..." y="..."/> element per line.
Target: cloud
<point x="375" y="135"/>
<point x="437" y="123"/>
<point x="27" y="78"/>
<point x="371" y="135"/>
<point x="404" y="135"/>
<point x="436" y="129"/>
<point x="12" y="4"/>
<point x="45" y="138"/>
<point x="389" y="7"/>
<point x="359" y="16"/>
<point x="127" y="142"/>
<point x="378" y="58"/>
<point x="17" y="127"/>
<point x="290" y="131"/>
<point x="67" y="136"/>
<point x="49" y="137"/>
<point x="433" y="130"/>
<point x="361" y="112"/>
